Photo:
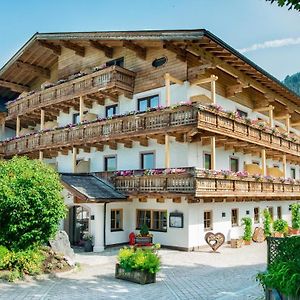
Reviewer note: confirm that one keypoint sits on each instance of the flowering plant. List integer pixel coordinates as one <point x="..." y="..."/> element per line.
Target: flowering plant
<point x="242" y="174"/>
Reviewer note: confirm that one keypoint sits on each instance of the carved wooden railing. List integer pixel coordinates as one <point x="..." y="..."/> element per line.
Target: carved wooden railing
<point x="221" y="123"/>
<point x="111" y="77"/>
<point x="195" y="182"/>
<point x="103" y="131"/>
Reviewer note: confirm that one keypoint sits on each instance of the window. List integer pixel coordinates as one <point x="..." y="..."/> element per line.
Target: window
<point x="255" y="162"/>
<point x="154" y="219"/>
<point x="276" y="166"/>
<point x="110" y="163"/>
<point x="147" y="160"/>
<point x="116" y="62"/>
<point x="271" y="211"/>
<point x="147" y="102"/>
<point x="208" y="220"/>
<point x="279" y="212"/>
<point x="293" y="173"/>
<point x="242" y="113"/>
<point x="111" y="110"/>
<point x="207" y="161"/>
<point x="116" y="219"/>
<point x="234" y="217"/>
<point x="76" y="117"/>
<point x="234" y="164"/>
<point x="256" y="215"/>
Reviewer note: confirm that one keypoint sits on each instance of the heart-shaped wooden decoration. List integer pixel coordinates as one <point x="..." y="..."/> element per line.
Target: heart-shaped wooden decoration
<point x="215" y="241"/>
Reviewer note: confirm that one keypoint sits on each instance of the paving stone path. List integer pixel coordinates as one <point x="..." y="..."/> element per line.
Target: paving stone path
<point x="198" y="275"/>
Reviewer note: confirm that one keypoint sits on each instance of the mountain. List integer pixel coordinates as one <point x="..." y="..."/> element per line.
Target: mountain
<point x="293" y="82"/>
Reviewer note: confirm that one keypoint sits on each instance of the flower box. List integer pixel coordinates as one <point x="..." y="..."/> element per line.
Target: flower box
<point x="236" y="243"/>
<point x="137" y="276"/>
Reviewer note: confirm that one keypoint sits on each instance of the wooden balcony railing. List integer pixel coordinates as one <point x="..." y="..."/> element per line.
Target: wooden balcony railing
<point x="220" y="123"/>
<point x="120" y="128"/>
<point x="108" y="78"/>
<point x="197" y="183"/>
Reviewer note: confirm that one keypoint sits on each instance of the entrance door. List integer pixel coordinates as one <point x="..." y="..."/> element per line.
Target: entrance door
<point x="80" y="224"/>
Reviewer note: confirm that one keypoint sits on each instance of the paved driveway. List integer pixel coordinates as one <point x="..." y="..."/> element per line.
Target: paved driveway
<point x="185" y="275"/>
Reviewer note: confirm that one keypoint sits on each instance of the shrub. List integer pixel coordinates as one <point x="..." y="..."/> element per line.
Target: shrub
<point x="280" y="226"/>
<point x="3" y="252"/>
<point x="296" y="216"/>
<point x="267" y="222"/>
<point x="31" y="205"/>
<point x="139" y="259"/>
<point x="247" y="222"/>
<point x="144" y="231"/>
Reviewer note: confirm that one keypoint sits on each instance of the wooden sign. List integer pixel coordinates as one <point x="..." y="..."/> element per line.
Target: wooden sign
<point x="215" y="241"/>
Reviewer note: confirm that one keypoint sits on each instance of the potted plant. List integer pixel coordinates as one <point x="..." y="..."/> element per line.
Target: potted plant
<point x="138" y="264"/>
<point x="88" y="242"/>
<point x="247" y="222"/>
<point x="267" y="222"/>
<point x="295" y="219"/>
<point x="280" y="227"/>
<point x="144" y="238"/>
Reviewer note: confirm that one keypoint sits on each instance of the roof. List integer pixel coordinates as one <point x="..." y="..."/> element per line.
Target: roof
<point x="90" y="187"/>
<point x="46" y="58"/>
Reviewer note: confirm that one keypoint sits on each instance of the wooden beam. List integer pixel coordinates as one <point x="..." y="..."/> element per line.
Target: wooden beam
<point x="205" y="80"/>
<point x="167" y="151"/>
<point x="18" y="126"/>
<point x="108" y="51"/>
<point x="213" y="152"/>
<point x="78" y="49"/>
<point x="140" y="51"/>
<point x="42" y="72"/>
<point x="56" y="49"/>
<point x="181" y="53"/>
<point x="14" y="86"/>
<point x="42" y="122"/>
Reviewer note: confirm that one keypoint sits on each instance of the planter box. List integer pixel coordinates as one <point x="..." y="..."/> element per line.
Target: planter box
<point x="247" y="243"/>
<point x="143" y="240"/>
<point x="137" y="276"/>
<point x="293" y="231"/>
<point x="236" y="243"/>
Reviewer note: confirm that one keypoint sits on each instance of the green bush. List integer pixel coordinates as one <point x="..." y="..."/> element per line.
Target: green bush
<point x="144" y="231"/>
<point x="267" y="222"/>
<point x="139" y="259"/>
<point x="280" y="226"/>
<point x="3" y="251"/>
<point x="31" y="205"/>
<point x="296" y="216"/>
<point x="247" y="222"/>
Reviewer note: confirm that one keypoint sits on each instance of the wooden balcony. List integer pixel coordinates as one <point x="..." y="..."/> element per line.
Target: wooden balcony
<point x="124" y="129"/>
<point x="201" y="185"/>
<point x="110" y="81"/>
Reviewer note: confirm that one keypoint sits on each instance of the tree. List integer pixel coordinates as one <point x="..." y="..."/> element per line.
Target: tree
<point x="292" y="4"/>
<point x="31" y="204"/>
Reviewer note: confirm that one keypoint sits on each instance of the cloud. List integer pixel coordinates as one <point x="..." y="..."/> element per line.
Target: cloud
<point x="272" y="44"/>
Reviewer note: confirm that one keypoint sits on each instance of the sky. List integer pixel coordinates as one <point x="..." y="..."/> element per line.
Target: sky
<point x="267" y="34"/>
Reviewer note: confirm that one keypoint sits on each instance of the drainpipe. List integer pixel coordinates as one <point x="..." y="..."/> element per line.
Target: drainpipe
<point x="104" y="220"/>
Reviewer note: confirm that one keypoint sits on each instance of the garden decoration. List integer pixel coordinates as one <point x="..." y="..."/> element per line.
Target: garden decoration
<point x="215" y="241"/>
<point x="258" y="235"/>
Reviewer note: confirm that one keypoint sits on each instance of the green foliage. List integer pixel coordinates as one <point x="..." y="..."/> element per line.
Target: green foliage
<point x="267" y="222"/>
<point x="296" y="216"/>
<point x="292" y="4"/>
<point x="139" y="259"/>
<point x="22" y="262"/>
<point x="293" y="82"/>
<point x="280" y="226"/>
<point x="247" y="222"/>
<point x="144" y="231"/>
<point x="31" y="205"/>
<point x="284" y="273"/>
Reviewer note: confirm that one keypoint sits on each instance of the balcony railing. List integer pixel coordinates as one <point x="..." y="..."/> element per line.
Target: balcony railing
<point x="108" y="78"/>
<point x="221" y="123"/>
<point x="102" y="131"/>
<point x="200" y="184"/>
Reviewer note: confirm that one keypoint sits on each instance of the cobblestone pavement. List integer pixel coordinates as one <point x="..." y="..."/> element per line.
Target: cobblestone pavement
<point x="197" y="275"/>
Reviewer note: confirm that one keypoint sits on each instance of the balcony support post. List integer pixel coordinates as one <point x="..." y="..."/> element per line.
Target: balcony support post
<point x="167" y="151"/>
<point x="74" y="155"/>
<point x="18" y="126"/>
<point x="41" y="155"/>
<point x="213" y="88"/>
<point x="3" y="127"/>
<point x="264" y="162"/>
<point x="42" y="126"/>
<point x="271" y="116"/>
<point x="81" y="104"/>
<point x="284" y="165"/>
<point x="213" y="152"/>
<point x="288" y="123"/>
<point x="168" y="80"/>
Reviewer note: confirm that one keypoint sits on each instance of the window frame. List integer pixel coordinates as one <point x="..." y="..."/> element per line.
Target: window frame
<point x="279" y="212"/>
<point x="271" y="211"/>
<point x="151" y="228"/>
<point x="114" y="62"/>
<point x="204" y="155"/>
<point x="114" y="106"/>
<point x="238" y="163"/>
<point x="105" y="162"/>
<point x="256" y="216"/>
<point x="115" y="210"/>
<point x="293" y="173"/>
<point x="243" y="114"/>
<point x="142" y="160"/>
<point x="148" y="98"/>
<point x="237" y="217"/>
<point x="210" y="220"/>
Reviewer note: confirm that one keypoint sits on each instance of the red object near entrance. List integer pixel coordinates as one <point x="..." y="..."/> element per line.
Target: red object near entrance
<point x="132" y="239"/>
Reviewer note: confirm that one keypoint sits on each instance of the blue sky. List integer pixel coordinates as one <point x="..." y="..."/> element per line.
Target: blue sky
<point x="271" y="33"/>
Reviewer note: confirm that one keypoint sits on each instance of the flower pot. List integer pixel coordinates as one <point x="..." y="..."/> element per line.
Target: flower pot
<point x="247" y="243"/>
<point x="137" y="276"/>
<point x="293" y="231"/>
<point x="88" y="246"/>
<point x="278" y="234"/>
